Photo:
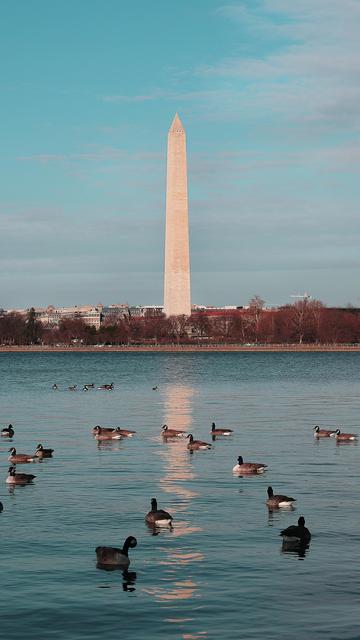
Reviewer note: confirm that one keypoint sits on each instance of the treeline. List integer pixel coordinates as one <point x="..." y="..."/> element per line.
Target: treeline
<point x="307" y="321"/>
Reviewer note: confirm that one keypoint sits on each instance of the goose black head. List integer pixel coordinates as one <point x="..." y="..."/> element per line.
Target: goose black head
<point x="240" y="459"/>
<point x="270" y="492"/>
<point x="12" y="450"/>
<point x="213" y="426"/>
<point x="153" y="504"/>
<point x="301" y="521"/>
<point x="317" y="429"/>
<point x="165" y="427"/>
<point x="191" y="437"/>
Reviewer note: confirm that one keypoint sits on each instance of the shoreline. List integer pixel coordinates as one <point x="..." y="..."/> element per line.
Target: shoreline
<point x="186" y="348"/>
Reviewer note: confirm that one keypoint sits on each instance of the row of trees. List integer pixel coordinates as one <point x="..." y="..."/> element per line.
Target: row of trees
<point x="306" y="321"/>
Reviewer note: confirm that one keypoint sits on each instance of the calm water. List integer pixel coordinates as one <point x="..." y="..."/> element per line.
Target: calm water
<point x="220" y="573"/>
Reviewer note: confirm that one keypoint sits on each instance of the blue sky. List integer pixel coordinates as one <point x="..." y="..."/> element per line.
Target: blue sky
<point x="269" y="94"/>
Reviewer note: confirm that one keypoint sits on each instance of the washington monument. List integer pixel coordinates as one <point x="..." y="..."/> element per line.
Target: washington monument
<point x="177" y="262"/>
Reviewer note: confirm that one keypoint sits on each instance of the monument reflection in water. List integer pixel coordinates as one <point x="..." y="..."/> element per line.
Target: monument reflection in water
<point x="178" y="473"/>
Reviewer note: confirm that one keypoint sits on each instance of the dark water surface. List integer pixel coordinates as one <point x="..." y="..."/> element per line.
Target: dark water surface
<point x="220" y="573"/>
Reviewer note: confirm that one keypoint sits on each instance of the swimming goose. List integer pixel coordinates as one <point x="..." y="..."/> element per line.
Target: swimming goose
<point x="106" y="387"/>
<point x="158" y="517"/>
<point x="40" y="452"/>
<point x="1" y="507"/>
<point x="112" y="556"/>
<point x="54" y="386"/>
<point x="155" y="388"/>
<point x="345" y="437"/>
<point x="102" y="434"/>
<point x="19" y="478"/>
<point x="296" y="534"/>
<point x="19" y="458"/>
<point x="8" y="432"/>
<point x="124" y="432"/>
<point x="220" y="432"/>
<point x="89" y="386"/>
<point x="72" y="387"/>
<point x="248" y="467"/>
<point x="195" y="445"/>
<point x="279" y="500"/>
<point x="171" y="433"/>
<point x="99" y="429"/>
<point x="323" y="433"/>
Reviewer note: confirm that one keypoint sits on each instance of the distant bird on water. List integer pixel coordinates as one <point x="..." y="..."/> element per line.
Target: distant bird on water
<point x="19" y="458"/>
<point x="196" y="445"/>
<point x="323" y="433"/>
<point x="345" y="437"/>
<point x="220" y="432"/>
<point x="126" y="433"/>
<point x="106" y="387"/>
<point x="19" y="478"/>
<point x="158" y="517"/>
<point x="54" y="386"/>
<point x="40" y="452"/>
<point x="72" y="387"/>
<point x="8" y="432"/>
<point x="114" y="557"/>
<point x="172" y="433"/>
<point x="278" y="500"/>
<point x="249" y="467"/>
<point x="106" y="435"/>
<point x="296" y="534"/>
<point x="1" y="507"/>
<point x="155" y="388"/>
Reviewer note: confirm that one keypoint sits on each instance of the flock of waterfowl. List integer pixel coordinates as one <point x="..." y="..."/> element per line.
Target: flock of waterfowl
<point x="295" y="537"/>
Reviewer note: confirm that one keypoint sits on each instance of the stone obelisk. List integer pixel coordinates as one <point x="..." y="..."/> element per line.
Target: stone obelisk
<point x="177" y="262"/>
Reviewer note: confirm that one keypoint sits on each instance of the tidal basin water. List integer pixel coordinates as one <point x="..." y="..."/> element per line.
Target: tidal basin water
<point x="220" y="573"/>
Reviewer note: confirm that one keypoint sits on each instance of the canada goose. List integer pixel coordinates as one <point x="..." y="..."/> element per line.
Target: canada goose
<point x="107" y="435"/>
<point x="276" y="501"/>
<point x="19" y="478"/>
<point x="89" y="386"/>
<point x="220" y="432"/>
<point x="172" y="433"/>
<point x="157" y="516"/>
<point x="248" y="467"/>
<point x="19" y="458"/>
<point x="8" y="432"/>
<point x="40" y="452"/>
<point x="54" y="387"/>
<point x="106" y="387"/>
<point x="296" y="534"/>
<point x="323" y="433"/>
<point x="345" y="437"/>
<point x="112" y="556"/>
<point x="99" y="429"/>
<point x="72" y="387"/>
<point x="195" y="445"/>
<point x="1" y="507"/>
<point x="155" y="388"/>
<point x="124" y="432"/>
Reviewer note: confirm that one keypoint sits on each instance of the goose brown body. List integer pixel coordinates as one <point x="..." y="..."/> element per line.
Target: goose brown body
<point x="172" y="433"/>
<point x="220" y="432"/>
<point x="345" y="437"/>
<point x="101" y="434"/>
<point x="125" y="433"/>
<point x="323" y="433"/>
<point x="19" y="458"/>
<point x="196" y="445"/>
<point x="19" y="478"/>
<point x="278" y="500"/>
<point x="158" y="517"/>
<point x="114" y="556"/>
<point x="249" y="467"/>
